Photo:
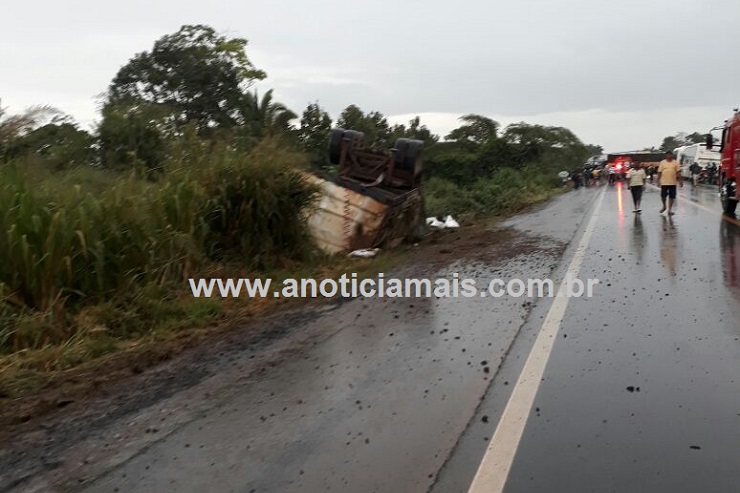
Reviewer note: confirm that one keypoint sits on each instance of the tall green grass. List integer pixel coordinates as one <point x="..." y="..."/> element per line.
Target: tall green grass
<point x="87" y="236"/>
<point x="506" y="190"/>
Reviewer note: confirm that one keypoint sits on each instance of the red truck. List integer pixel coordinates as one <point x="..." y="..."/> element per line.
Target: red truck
<point x="729" y="167"/>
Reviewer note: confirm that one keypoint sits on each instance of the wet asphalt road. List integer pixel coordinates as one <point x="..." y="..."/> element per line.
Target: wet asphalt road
<point x="641" y="391"/>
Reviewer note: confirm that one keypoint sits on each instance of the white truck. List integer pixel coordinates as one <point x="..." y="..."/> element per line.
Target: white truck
<point x="678" y="153"/>
<point x="696" y="153"/>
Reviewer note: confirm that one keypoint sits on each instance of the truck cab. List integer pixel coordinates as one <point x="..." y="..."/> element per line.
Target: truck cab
<point x="729" y="167"/>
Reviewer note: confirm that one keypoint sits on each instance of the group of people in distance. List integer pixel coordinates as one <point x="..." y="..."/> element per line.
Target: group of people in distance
<point x="669" y="178"/>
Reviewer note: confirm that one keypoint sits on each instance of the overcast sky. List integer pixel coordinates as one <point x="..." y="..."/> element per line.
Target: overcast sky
<point x="620" y="73"/>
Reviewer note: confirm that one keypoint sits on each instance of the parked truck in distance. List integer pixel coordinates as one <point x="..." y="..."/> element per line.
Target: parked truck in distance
<point x="678" y="153"/>
<point x="699" y="154"/>
<point x="729" y="167"/>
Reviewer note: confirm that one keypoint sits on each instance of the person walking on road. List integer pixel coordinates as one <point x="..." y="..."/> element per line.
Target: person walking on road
<point x="695" y="170"/>
<point x="636" y="177"/>
<point x="669" y="177"/>
<point x="595" y="175"/>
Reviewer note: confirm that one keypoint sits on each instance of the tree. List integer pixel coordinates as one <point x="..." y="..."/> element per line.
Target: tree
<point x="353" y="118"/>
<point x="198" y="75"/>
<point x="13" y="127"/>
<point x="477" y="129"/>
<point x="266" y="116"/>
<point x="528" y="144"/>
<point x="313" y="133"/>
<point x="374" y="125"/>
<point x="696" y="138"/>
<point x="670" y="143"/>
<point x="594" y="150"/>
<point x="460" y="166"/>
<point x="415" y="130"/>
<point x="59" y="144"/>
<point x="132" y="138"/>
<point x="381" y="129"/>
<point x="681" y="139"/>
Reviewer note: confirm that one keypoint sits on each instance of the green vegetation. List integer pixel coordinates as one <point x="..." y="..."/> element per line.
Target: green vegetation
<point x="66" y="247"/>
<point x="191" y="172"/>
<point x="681" y="139"/>
<point x="480" y="170"/>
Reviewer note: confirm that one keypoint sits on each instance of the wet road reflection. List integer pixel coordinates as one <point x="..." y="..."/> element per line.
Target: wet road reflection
<point x="641" y="392"/>
<point x="638" y="238"/>
<point x="669" y="245"/>
<point x="730" y="254"/>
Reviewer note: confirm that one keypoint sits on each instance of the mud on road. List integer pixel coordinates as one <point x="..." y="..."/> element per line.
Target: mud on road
<point x="97" y="431"/>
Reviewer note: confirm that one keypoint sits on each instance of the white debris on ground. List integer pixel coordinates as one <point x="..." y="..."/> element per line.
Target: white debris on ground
<point x="433" y="222"/>
<point x="451" y="223"/>
<point x="447" y="222"/>
<point x="365" y="253"/>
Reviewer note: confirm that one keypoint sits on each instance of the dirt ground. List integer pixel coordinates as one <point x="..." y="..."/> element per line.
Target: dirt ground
<point x="102" y="377"/>
<point x="98" y="393"/>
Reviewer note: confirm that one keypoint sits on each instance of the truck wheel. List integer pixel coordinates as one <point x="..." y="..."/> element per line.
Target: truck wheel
<point x="408" y="152"/>
<point x="413" y="156"/>
<point x="727" y="198"/>
<point x="335" y="145"/>
<point x="400" y="147"/>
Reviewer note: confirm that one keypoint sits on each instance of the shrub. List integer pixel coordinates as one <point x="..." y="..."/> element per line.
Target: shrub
<point x="69" y="245"/>
<point x="505" y="190"/>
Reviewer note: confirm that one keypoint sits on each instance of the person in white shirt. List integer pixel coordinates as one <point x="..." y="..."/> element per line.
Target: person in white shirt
<point x="636" y="178"/>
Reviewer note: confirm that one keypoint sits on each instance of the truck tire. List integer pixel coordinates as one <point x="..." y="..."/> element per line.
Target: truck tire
<point x="413" y="156"/>
<point x="726" y="197"/>
<point x="335" y="145"/>
<point x="408" y="154"/>
<point x="400" y="147"/>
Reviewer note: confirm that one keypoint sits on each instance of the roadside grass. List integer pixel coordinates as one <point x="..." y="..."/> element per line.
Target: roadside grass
<point x="507" y="191"/>
<point x="157" y="322"/>
<point x="97" y="261"/>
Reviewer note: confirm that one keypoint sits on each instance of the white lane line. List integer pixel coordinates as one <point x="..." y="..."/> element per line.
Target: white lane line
<point x="494" y="468"/>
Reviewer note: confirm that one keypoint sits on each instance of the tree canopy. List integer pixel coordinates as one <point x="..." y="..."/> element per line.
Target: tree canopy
<point x="196" y="74"/>
<point x="374" y="125"/>
<point x="681" y="139"/>
<point x="476" y="129"/>
<point x="313" y="133"/>
<point x="266" y="116"/>
<point x="477" y="149"/>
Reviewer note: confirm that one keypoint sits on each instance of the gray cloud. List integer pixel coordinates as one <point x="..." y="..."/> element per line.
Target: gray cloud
<point x="574" y="59"/>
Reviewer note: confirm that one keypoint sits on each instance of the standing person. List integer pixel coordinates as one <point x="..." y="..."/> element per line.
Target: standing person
<point x="695" y="169"/>
<point x="668" y="177"/>
<point x="636" y="177"/>
<point x="577" y="178"/>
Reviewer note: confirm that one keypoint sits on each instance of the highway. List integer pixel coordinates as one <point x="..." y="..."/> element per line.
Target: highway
<point x="635" y="389"/>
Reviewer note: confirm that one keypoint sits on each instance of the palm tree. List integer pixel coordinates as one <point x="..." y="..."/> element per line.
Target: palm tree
<point x="13" y="127"/>
<point x="267" y="117"/>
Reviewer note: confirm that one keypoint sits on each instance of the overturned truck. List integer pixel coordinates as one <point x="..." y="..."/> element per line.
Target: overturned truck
<point x="375" y="200"/>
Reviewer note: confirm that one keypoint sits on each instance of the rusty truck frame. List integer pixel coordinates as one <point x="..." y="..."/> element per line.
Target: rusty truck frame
<point x="374" y="200"/>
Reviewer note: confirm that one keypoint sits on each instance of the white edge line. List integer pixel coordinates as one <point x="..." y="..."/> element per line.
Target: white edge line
<point x="494" y="468"/>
